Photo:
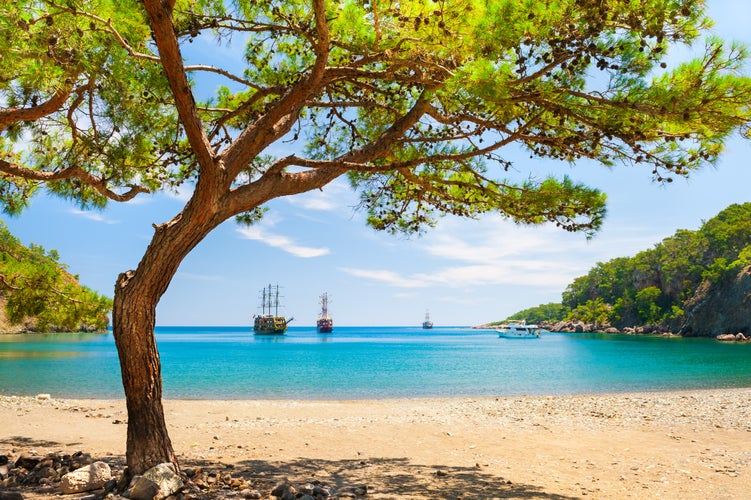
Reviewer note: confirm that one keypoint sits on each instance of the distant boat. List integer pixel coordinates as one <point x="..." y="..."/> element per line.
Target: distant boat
<point x="518" y="330"/>
<point x="267" y="323"/>
<point x="324" y="324"/>
<point x="427" y="324"/>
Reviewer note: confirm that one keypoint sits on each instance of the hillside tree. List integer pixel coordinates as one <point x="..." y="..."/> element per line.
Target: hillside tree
<point x="416" y="101"/>
<point x="36" y="287"/>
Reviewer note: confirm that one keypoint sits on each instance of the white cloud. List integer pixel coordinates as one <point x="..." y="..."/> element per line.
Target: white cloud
<point x="385" y="276"/>
<point x="314" y="200"/>
<point x="511" y="273"/>
<point x="494" y="252"/>
<point x="261" y="233"/>
<point x="95" y="216"/>
<point x="490" y="244"/>
<point x="333" y="197"/>
<point x="182" y="192"/>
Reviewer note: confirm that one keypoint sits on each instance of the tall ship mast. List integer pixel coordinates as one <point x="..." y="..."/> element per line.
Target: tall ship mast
<point x="267" y="323"/>
<point x="427" y="324"/>
<point x="324" y="324"/>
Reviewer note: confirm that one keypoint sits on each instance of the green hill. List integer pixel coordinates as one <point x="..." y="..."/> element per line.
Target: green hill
<point x="38" y="294"/>
<point x="693" y="283"/>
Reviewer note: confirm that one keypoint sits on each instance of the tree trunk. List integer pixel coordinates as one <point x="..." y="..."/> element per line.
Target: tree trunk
<point x="133" y="321"/>
<point x="137" y="294"/>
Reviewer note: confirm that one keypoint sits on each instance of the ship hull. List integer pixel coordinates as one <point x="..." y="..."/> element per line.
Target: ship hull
<point x="519" y="330"/>
<point x="325" y="325"/>
<point x="269" y="325"/>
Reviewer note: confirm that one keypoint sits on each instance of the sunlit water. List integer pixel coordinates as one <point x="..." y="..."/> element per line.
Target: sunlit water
<point x="373" y="362"/>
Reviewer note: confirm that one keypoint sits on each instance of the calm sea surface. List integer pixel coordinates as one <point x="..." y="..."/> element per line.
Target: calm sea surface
<point x="373" y="362"/>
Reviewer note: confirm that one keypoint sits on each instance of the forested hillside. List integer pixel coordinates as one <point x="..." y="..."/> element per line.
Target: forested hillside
<point x="666" y="286"/>
<point x="38" y="294"/>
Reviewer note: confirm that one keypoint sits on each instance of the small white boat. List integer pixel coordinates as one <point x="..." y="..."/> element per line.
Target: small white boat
<point x="518" y="330"/>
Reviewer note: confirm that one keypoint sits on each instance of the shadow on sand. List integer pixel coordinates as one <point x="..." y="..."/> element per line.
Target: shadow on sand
<point x="396" y="478"/>
<point x="392" y="478"/>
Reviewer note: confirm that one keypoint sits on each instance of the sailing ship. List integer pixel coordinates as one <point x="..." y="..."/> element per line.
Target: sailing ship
<point x="324" y="324"/>
<point x="427" y="324"/>
<point x="267" y="323"/>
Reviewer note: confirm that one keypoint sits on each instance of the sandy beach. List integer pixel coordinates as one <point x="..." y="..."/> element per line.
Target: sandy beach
<point x="683" y="445"/>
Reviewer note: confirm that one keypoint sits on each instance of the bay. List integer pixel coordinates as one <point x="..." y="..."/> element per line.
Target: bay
<point x="373" y="363"/>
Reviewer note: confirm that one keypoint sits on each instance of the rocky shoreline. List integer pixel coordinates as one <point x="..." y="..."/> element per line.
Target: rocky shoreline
<point x="580" y="327"/>
<point x="31" y="329"/>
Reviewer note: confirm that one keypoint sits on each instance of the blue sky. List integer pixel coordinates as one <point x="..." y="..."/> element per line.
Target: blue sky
<point x="465" y="272"/>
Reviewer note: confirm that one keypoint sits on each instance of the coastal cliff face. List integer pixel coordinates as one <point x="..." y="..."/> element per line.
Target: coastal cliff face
<point x="717" y="308"/>
<point x="720" y="308"/>
<point x="696" y="283"/>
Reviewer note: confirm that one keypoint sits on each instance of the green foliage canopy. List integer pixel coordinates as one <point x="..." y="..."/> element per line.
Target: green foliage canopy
<point x="35" y="285"/>
<point x="416" y="100"/>
<point x="596" y="312"/>
<point x="544" y="312"/>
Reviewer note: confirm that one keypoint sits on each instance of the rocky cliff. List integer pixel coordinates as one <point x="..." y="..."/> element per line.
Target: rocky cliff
<point x="720" y="308"/>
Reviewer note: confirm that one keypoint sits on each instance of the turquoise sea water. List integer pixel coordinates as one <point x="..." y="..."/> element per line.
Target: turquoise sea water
<point x="373" y="362"/>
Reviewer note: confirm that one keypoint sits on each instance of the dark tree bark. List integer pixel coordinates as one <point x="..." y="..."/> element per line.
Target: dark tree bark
<point x="137" y="294"/>
<point x="133" y="321"/>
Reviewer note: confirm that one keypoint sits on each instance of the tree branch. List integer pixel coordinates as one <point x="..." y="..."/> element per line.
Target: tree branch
<point x="275" y="182"/>
<point x="111" y="29"/>
<point x="381" y="146"/>
<point x="172" y="63"/>
<point x="71" y="173"/>
<point x="4" y="283"/>
<point x="282" y="115"/>
<point x="14" y="115"/>
<point x="223" y="72"/>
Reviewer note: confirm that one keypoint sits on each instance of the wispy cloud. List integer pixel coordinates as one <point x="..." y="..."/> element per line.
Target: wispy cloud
<point x="333" y="197"/>
<point x="95" y="216"/>
<point x="494" y="252"/>
<point x="511" y="273"/>
<point x="180" y="193"/>
<point x="390" y="278"/>
<point x="261" y="232"/>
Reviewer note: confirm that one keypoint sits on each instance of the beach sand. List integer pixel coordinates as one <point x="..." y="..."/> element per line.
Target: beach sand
<point x="682" y="445"/>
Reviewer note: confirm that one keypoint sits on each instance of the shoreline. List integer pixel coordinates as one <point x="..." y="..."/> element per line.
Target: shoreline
<point x="677" y="444"/>
<point x="374" y="399"/>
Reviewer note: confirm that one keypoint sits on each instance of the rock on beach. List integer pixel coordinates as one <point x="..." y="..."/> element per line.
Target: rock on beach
<point x="87" y="478"/>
